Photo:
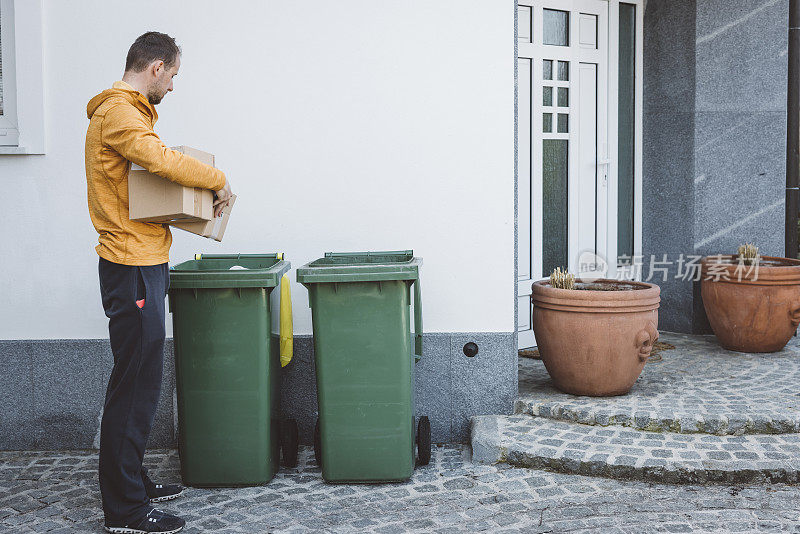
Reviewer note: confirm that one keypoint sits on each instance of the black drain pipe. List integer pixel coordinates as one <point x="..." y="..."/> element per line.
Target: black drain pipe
<point x="793" y="131"/>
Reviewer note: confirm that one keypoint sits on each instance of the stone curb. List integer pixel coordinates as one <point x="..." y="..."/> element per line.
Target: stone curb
<point x="486" y="446"/>
<point x="622" y="453"/>
<point x="667" y="421"/>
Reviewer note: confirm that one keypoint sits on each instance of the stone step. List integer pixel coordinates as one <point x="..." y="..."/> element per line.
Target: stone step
<point x="618" y="452"/>
<point x="683" y="419"/>
<point x="698" y="387"/>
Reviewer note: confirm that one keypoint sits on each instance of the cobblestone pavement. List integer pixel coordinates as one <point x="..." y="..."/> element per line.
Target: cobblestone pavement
<point x="57" y="492"/>
<point x="696" y="387"/>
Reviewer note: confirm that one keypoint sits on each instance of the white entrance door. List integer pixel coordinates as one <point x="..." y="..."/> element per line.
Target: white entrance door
<point x="562" y="140"/>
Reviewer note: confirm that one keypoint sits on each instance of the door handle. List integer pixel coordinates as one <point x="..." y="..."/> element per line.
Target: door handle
<point x="605" y="163"/>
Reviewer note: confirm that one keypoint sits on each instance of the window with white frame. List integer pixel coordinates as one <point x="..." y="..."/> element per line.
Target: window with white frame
<point x="1" y="62"/>
<point x="9" y="127"/>
<point x="21" y="62"/>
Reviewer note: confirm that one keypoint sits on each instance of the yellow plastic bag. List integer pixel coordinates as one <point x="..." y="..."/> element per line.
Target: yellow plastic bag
<point x="287" y="339"/>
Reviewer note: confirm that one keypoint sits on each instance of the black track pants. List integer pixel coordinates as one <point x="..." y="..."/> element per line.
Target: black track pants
<point x="137" y="342"/>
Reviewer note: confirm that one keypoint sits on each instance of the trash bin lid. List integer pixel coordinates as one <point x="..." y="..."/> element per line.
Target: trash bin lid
<point x="229" y="270"/>
<point x="361" y="267"/>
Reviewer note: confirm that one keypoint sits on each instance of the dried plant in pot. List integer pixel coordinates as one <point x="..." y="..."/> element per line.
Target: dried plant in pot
<point x="752" y="301"/>
<point x="594" y="337"/>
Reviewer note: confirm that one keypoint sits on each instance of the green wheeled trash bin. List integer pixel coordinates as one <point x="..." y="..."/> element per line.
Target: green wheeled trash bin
<point x="226" y="368"/>
<point x="365" y="361"/>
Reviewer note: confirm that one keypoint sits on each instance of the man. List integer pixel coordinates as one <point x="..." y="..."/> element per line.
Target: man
<point x="133" y="275"/>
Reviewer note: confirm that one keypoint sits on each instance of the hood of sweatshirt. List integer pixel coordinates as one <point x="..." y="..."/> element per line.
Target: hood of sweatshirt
<point x="121" y="90"/>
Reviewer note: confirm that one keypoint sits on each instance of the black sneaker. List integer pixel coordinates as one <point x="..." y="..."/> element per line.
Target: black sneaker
<point x="154" y="521"/>
<point x="161" y="492"/>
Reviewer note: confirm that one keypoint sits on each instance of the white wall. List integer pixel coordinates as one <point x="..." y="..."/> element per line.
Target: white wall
<point x="348" y="125"/>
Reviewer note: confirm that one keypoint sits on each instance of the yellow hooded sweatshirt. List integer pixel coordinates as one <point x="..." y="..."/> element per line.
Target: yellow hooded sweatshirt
<point x="120" y="132"/>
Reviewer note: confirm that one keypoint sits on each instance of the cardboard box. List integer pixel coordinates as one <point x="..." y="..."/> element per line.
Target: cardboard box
<point x="213" y="229"/>
<point x="152" y="198"/>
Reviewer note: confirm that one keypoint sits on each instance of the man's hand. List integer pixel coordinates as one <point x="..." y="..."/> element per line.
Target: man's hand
<point x="221" y="198"/>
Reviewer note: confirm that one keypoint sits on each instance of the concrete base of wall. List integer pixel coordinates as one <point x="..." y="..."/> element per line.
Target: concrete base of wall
<point x="53" y="390"/>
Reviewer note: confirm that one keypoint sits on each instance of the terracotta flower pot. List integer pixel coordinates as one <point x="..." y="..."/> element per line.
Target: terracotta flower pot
<point x="752" y="310"/>
<point x="595" y="341"/>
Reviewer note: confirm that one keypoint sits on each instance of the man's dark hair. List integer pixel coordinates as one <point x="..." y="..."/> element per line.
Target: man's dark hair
<point x="149" y="47"/>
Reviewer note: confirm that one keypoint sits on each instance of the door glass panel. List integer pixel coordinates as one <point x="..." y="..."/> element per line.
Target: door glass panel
<point x="584" y="177"/>
<point x="563" y="97"/>
<point x="547" y="96"/>
<point x="554" y="204"/>
<point x="556" y="27"/>
<point x="547" y="122"/>
<point x="625" y="125"/>
<point x="524" y="23"/>
<point x="563" y="123"/>
<point x="563" y="71"/>
<point x="547" y="69"/>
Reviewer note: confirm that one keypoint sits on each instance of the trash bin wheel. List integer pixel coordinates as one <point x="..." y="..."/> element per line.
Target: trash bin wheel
<point x="290" y="442"/>
<point x="317" y="444"/>
<point x="424" y="440"/>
